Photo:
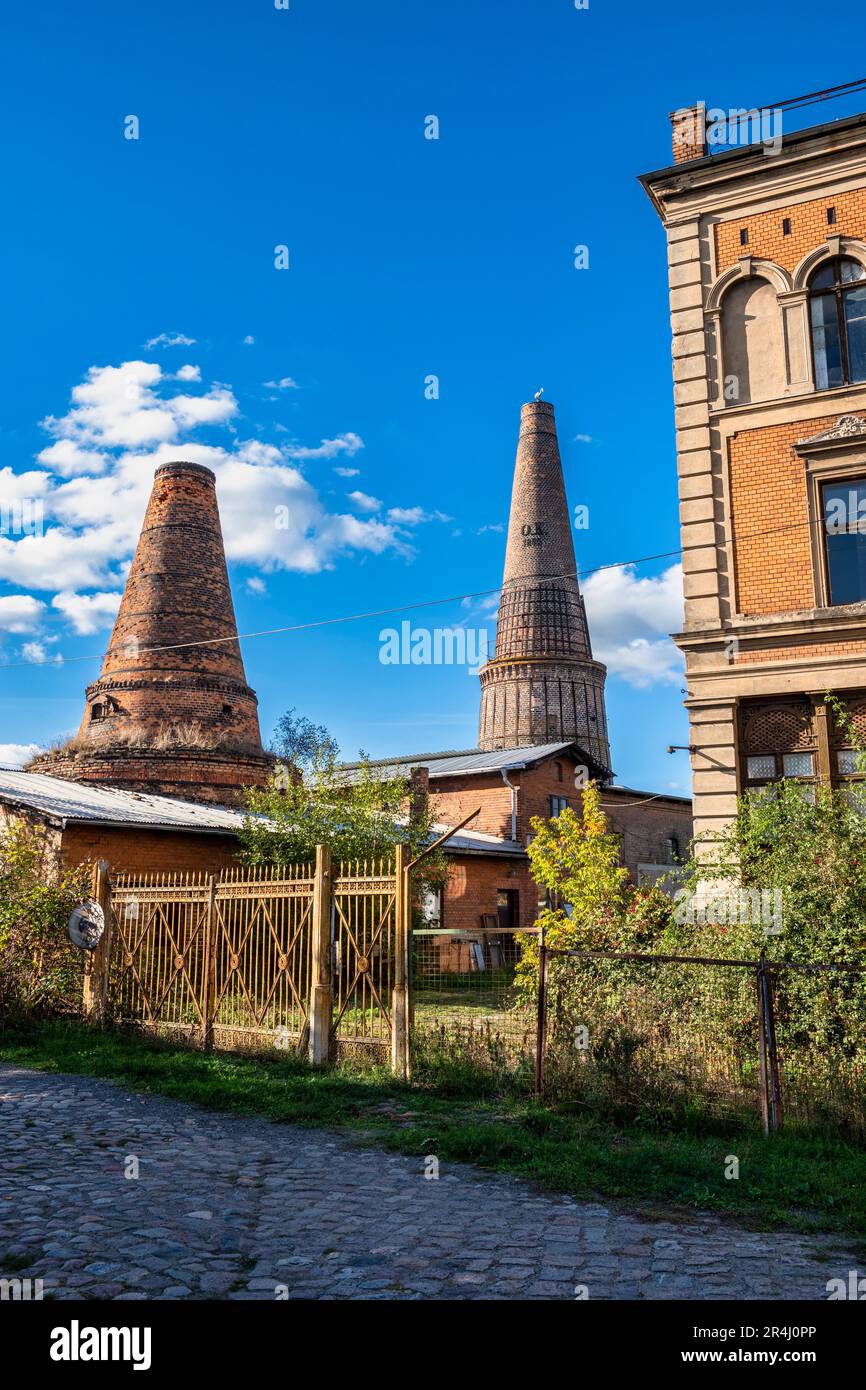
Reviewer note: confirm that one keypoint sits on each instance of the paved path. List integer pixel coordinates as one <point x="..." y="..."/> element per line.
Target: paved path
<point x="232" y="1207"/>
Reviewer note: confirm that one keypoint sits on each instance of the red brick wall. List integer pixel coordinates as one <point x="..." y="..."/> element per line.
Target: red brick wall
<point x="644" y="823"/>
<point x="145" y="851"/>
<point x="472" y="888"/>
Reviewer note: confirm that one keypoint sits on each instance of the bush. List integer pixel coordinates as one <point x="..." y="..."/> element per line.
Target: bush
<point x="40" y="970"/>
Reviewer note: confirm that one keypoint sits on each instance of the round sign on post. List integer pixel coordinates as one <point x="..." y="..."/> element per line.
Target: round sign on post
<point x="86" y="925"/>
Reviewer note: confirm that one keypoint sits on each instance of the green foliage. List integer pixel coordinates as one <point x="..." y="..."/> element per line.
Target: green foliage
<point x="300" y="743"/>
<point x="596" y="907"/>
<point x="657" y="1037"/>
<point x="40" y="971"/>
<point x="310" y="801"/>
<point x="812" y="853"/>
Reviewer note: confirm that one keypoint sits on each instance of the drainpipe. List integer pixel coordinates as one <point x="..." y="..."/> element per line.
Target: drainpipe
<point x="511" y="787"/>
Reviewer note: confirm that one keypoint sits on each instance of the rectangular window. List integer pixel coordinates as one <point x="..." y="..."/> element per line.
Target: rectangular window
<point x="744" y="236"/>
<point x="786" y="226"/>
<point x="846" y="761"/>
<point x="855" y="324"/>
<point x="761" y="768"/>
<point x="557" y="805"/>
<point x="829" y="369"/>
<point x="831" y="217"/>
<point x="798" y="765"/>
<point x="845" y="539"/>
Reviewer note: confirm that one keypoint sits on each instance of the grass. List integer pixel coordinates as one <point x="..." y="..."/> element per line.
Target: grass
<point x="811" y="1182"/>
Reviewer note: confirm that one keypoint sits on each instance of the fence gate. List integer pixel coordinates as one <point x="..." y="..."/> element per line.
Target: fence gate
<point x="294" y="956"/>
<point x="227" y="959"/>
<point x="364" y="940"/>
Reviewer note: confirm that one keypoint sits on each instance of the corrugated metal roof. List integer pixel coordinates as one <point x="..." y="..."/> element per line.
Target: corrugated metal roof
<point x="468" y="760"/>
<point x="73" y="802"/>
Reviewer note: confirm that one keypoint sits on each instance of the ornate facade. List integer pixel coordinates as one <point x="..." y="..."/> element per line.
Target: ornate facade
<point x="767" y="272"/>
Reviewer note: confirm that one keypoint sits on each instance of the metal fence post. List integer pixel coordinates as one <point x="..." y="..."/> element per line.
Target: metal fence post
<point x="322" y="987"/>
<point x="210" y="954"/>
<point x="98" y="965"/>
<point x="771" y="1086"/>
<point x="541" y="1028"/>
<point x="400" y="992"/>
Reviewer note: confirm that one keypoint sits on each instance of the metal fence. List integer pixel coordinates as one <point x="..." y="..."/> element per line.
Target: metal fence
<point x="646" y="1035"/>
<point x="641" y="1033"/>
<point x="304" y="957"/>
<point x="467" y="1005"/>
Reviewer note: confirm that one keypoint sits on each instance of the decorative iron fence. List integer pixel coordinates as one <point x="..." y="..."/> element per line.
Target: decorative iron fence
<point x="297" y="957"/>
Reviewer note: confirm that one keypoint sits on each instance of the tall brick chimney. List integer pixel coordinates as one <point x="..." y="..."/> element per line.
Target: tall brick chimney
<point x="164" y="717"/>
<point x="542" y="684"/>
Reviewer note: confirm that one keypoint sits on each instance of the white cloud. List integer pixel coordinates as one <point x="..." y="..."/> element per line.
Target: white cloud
<point x="169" y="340"/>
<point x="347" y="472"/>
<point x="68" y="459"/>
<point x="364" y="502"/>
<point x="629" y="622"/>
<point x="38" y="654"/>
<point x="118" y="407"/>
<point x="583" y="439"/>
<point x="249" y="340"/>
<point x="348" y="443"/>
<point x="414" y="516"/>
<point x="498" y="526"/>
<point x="285" y="383"/>
<point x="87" y="612"/>
<point x="20" y="613"/>
<point x="256" y="585"/>
<point x="122" y="423"/>
<point x="188" y="373"/>
<point x="17" y="754"/>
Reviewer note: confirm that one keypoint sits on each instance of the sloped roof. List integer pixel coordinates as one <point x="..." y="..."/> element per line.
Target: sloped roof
<point x="66" y="803"/>
<point x="467" y="761"/>
<point x="74" y="803"/>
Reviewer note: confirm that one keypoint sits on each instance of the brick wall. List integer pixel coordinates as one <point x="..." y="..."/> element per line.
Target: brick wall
<point x="768" y="494"/>
<point x="644" y="823"/>
<point x="809" y="229"/>
<point x="146" y="851"/>
<point x="473" y="886"/>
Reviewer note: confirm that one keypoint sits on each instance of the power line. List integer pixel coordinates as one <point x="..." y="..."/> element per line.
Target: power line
<point x="825" y="94"/>
<point x="419" y="604"/>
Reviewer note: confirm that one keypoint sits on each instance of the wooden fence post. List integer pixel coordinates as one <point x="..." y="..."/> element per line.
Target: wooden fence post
<point x="322" y="988"/>
<point x="400" y="992"/>
<point x="771" y="1086"/>
<point x="541" y="1024"/>
<point x="208" y="1006"/>
<point x="98" y="965"/>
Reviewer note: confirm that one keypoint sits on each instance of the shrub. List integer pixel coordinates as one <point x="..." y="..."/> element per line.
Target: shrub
<point x="40" y="970"/>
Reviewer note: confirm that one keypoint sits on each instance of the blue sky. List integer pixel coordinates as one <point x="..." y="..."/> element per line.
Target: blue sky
<point x="408" y="257"/>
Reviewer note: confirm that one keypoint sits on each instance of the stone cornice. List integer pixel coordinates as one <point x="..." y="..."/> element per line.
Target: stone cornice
<point x="849" y="431"/>
<point x="847" y="622"/>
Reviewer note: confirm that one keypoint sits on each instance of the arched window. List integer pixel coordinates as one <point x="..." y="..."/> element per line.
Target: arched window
<point x="838" y="303"/>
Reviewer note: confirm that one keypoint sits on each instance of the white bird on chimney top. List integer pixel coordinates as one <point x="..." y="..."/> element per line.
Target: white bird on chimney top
<point x="539" y="393"/>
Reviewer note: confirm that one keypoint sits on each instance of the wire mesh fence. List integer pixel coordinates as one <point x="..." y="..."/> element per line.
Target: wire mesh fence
<point x="467" y="1006"/>
<point x="702" y="1036"/>
<point x="664" y="1038"/>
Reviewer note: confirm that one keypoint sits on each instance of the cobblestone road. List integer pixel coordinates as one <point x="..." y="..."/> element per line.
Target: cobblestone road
<point x="232" y="1207"/>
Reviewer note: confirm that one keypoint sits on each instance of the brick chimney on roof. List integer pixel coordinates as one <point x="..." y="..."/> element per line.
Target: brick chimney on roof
<point x="542" y="684"/>
<point x="689" y="132"/>
<point x="164" y="716"/>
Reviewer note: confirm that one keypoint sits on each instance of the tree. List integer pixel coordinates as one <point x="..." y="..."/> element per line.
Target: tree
<point x="300" y="743"/>
<point x="592" y="903"/>
<point x="361" y="813"/>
